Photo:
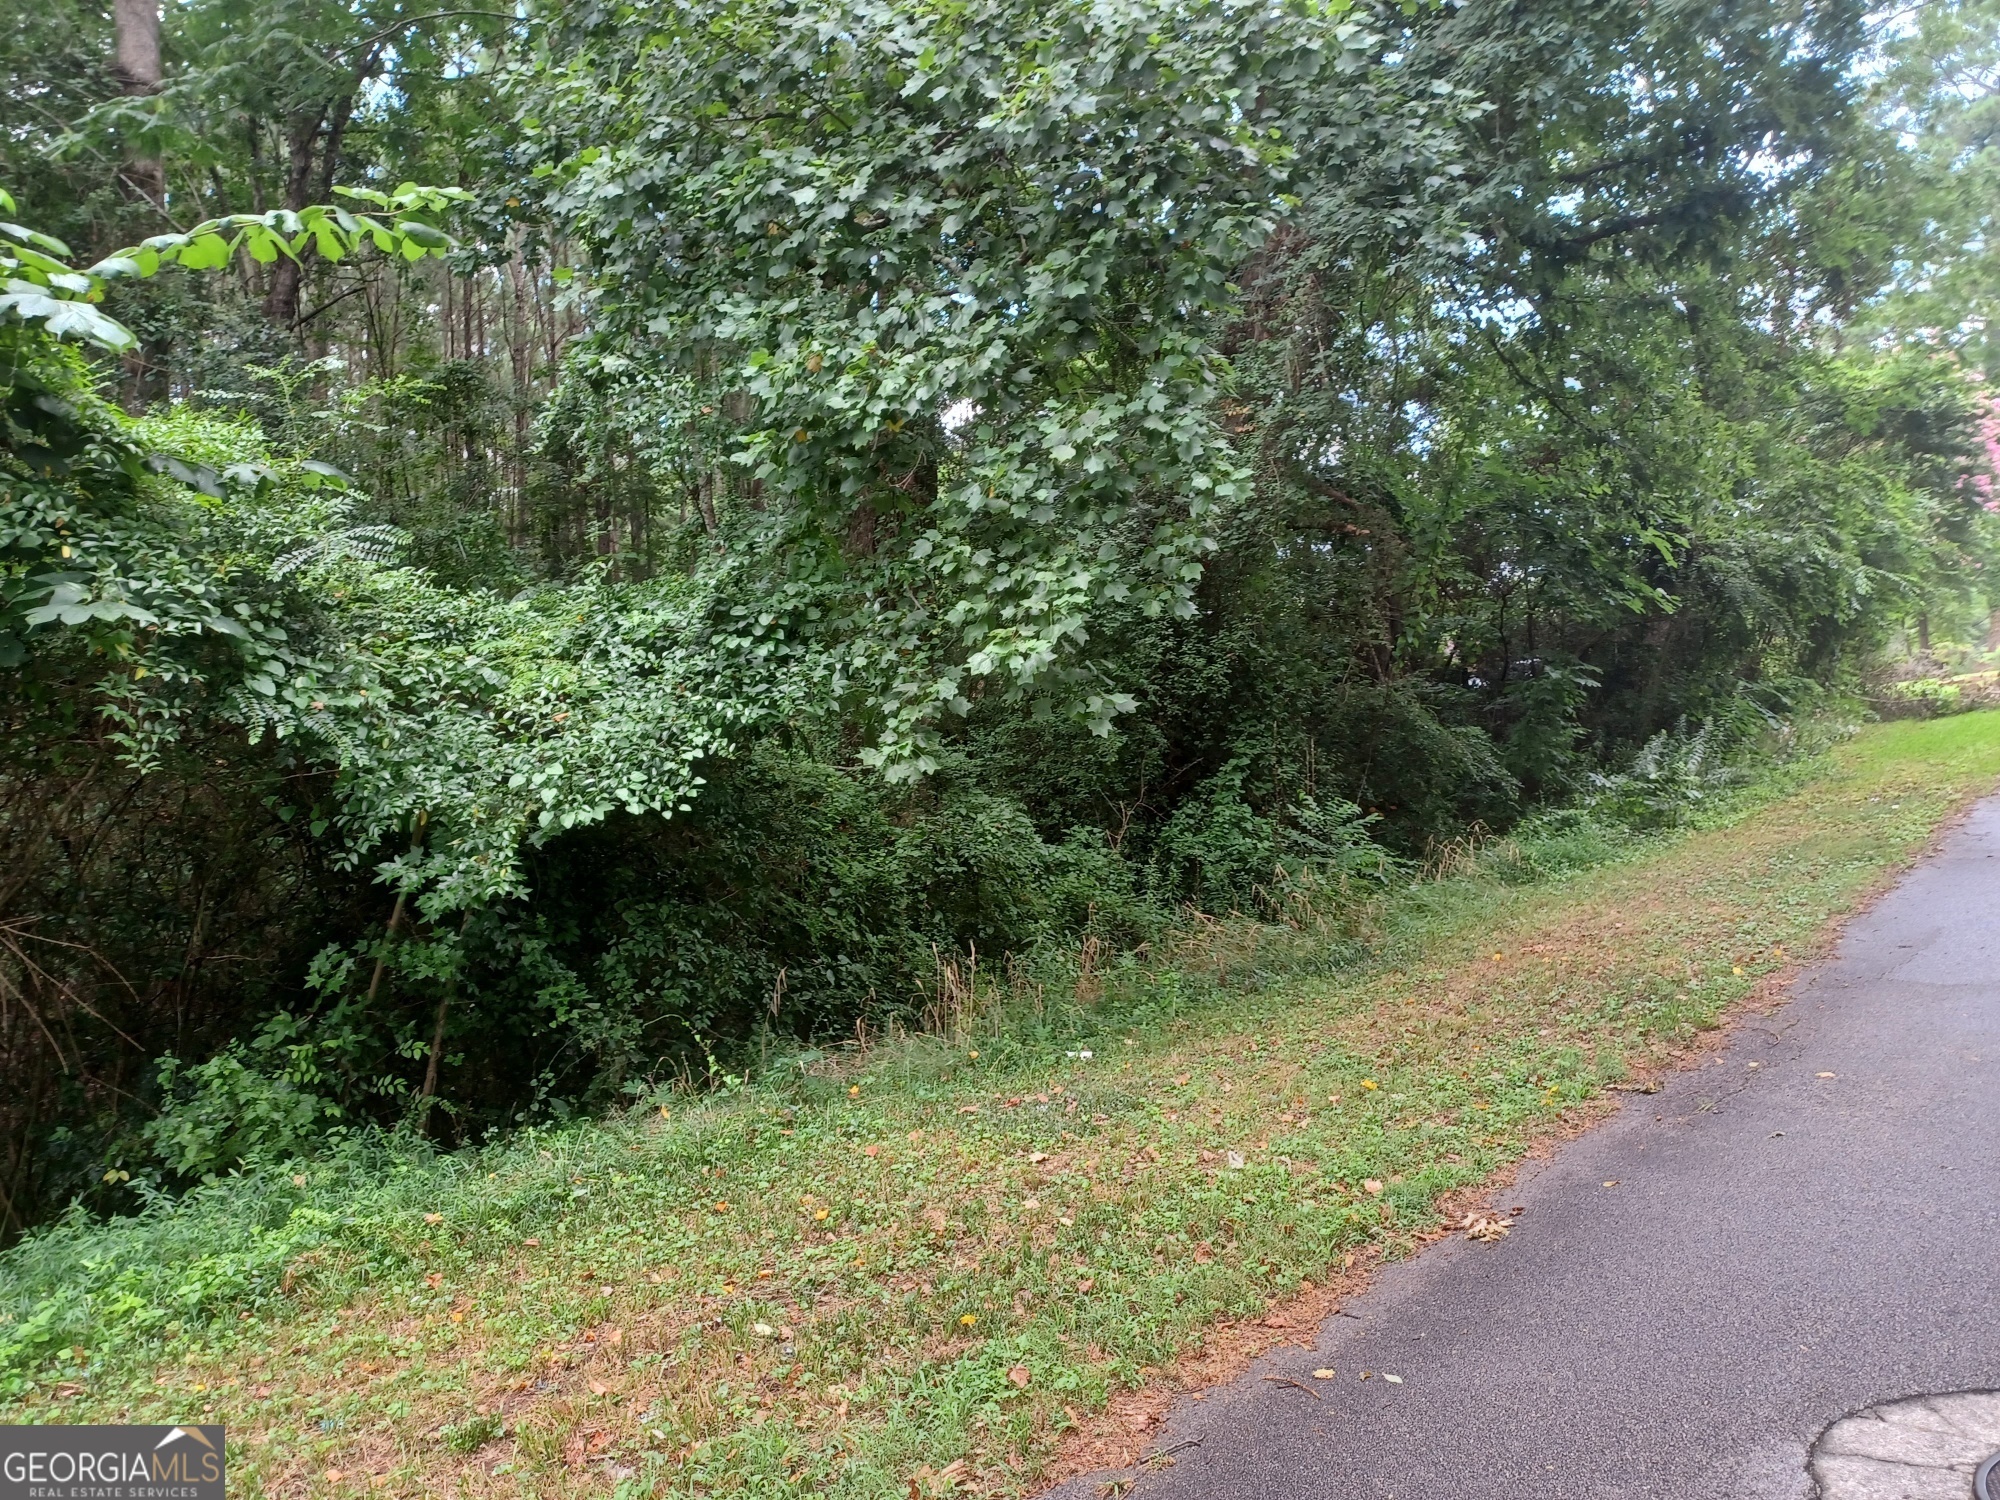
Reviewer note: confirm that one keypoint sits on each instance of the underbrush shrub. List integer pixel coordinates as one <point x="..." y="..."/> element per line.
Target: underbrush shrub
<point x="229" y="1111"/>
<point x="795" y="900"/>
<point x="1224" y="856"/>
<point x="1673" y="773"/>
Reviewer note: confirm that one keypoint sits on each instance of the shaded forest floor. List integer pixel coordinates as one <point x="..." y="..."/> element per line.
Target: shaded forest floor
<point x="961" y="1262"/>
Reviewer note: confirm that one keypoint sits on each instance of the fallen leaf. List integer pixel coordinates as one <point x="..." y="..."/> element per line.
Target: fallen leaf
<point x="1236" y="1161"/>
<point x="1038" y="1157"/>
<point x="1019" y="1376"/>
<point x="763" y="1330"/>
<point x="1393" y="1379"/>
<point x="1324" y="1374"/>
<point x="871" y="1150"/>
<point x="968" y="1109"/>
<point x="1086" y="1286"/>
<point x="433" y="1218"/>
<point x="1612" y="1182"/>
<point x="1372" y="1186"/>
<point x="599" y="1388"/>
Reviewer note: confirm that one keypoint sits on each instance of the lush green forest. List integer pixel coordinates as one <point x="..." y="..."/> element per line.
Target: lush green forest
<point x="554" y="550"/>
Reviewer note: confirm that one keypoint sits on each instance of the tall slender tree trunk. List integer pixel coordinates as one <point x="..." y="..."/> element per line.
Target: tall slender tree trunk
<point x="136" y="35"/>
<point x="136" y="27"/>
<point x="281" y="302"/>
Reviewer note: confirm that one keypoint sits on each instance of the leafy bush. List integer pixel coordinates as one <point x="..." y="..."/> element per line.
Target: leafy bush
<point x="1674" y="772"/>
<point x="1219" y="853"/>
<point x="225" y="1112"/>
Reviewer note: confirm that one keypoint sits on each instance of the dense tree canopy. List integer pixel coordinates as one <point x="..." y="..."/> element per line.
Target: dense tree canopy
<point x="540" y="545"/>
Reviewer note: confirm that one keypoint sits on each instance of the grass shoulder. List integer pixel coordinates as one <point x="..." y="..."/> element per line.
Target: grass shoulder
<point x="926" y="1262"/>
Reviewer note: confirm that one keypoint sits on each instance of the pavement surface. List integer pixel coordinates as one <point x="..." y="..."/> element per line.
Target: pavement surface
<point x="1782" y="1248"/>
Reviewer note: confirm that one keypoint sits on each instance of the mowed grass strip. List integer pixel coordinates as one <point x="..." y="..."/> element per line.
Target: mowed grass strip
<point x="919" y="1278"/>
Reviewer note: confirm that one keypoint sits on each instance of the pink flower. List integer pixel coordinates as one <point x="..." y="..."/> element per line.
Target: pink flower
<point x="1980" y="482"/>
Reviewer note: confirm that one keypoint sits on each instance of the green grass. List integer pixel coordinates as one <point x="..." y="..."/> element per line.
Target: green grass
<point x="931" y="1261"/>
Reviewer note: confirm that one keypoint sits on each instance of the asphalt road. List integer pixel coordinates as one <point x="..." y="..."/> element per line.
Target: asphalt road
<point x="1781" y="1248"/>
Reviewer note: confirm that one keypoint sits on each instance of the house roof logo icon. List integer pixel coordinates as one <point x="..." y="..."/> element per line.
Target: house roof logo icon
<point x="176" y="1433"/>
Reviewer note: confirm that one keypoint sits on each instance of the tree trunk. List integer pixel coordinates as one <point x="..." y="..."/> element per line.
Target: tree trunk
<point x="281" y="302"/>
<point x="136" y="26"/>
<point x="136" y="32"/>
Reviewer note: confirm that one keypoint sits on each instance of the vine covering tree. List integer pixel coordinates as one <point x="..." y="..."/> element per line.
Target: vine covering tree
<point x="540" y="543"/>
